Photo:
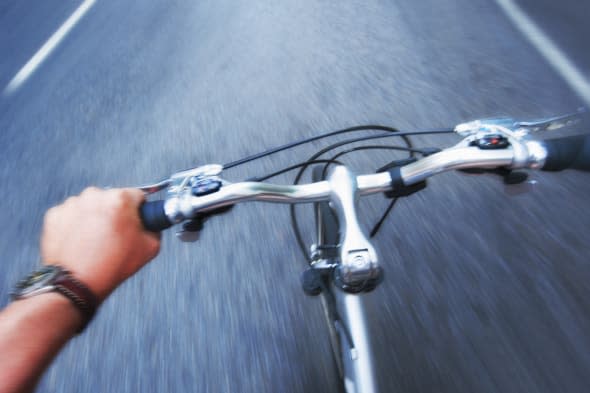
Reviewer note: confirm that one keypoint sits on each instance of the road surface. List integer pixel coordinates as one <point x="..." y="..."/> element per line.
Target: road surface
<point x="484" y="292"/>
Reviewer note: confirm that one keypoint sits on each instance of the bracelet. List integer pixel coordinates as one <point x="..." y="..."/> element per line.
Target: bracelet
<point x="79" y="294"/>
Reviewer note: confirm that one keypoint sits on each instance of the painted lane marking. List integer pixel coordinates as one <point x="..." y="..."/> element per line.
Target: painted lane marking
<point x="42" y="54"/>
<point x="551" y="52"/>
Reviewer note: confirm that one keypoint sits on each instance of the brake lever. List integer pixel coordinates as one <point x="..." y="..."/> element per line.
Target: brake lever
<point x="153" y="188"/>
<point x="551" y="123"/>
<point x="518" y="128"/>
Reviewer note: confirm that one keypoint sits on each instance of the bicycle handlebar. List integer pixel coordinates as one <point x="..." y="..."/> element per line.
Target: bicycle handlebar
<point x="568" y="153"/>
<point x="153" y="216"/>
<point x="549" y="155"/>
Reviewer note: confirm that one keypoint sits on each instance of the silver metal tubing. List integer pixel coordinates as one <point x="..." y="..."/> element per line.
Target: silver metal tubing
<point x="537" y="154"/>
<point x="253" y="191"/>
<point x="372" y="184"/>
<point x="357" y="360"/>
<point x="359" y="262"/>
<point x="457" y="158"/>
<point x="187" y="205"/>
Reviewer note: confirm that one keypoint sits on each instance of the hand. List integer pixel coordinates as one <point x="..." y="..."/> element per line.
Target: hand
<point x="99" y="237"/>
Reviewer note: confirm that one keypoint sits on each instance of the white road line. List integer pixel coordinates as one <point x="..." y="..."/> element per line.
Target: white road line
<point x="42" y="54"/>
<point x="551" y="52"/>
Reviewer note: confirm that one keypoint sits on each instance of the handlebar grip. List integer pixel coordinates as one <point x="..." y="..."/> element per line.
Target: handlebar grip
<point x="571" y="152"/>
<point x="153" y="216"/>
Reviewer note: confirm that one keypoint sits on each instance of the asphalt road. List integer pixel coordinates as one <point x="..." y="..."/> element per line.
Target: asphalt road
<point x="566" y="23"/>
<point x="484" y="292"/>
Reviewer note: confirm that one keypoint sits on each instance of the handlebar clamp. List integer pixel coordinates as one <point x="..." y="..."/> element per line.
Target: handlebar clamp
<point x="364" y="277"/>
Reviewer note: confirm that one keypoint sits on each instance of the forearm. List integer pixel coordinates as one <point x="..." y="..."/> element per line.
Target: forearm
<point x="32" y="332"/>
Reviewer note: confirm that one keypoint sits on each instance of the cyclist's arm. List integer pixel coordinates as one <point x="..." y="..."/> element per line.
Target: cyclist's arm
<point x="32" y="331"/>
<point x="98" y="236"/>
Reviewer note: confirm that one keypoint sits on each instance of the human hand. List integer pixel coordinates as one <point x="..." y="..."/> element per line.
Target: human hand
<point x="99" y="237"/>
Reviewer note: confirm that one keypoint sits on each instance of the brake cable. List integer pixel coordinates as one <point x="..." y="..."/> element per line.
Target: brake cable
<point x="290" y="168"/>
<point x="314" y="159"/>
<point x="294" y="222"/>
<point x="423" y="152"/>
<point x="307" y="140"/>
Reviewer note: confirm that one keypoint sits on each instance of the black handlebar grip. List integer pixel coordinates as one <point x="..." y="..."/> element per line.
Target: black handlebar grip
<point x="153" y="216"/>
<point x="572" y="152"/>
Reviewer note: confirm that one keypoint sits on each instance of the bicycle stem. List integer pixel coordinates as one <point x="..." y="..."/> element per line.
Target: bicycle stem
<point x="359" y="265"/>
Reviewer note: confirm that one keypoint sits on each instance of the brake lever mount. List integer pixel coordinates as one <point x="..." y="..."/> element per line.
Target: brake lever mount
<point x="191" y="179"/>
<point x="501" y="133"/>
<point x="203" y="179"/>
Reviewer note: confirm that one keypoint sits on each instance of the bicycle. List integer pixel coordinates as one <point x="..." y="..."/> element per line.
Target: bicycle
<point x="343" y="263"/>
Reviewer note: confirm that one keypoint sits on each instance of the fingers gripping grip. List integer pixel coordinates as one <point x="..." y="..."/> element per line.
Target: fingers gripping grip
<point x="568" y="153"/>
<point x="153" y="216"/>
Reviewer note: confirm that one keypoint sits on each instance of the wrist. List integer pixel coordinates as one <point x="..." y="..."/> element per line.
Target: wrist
<point x="57" y="310"/>
<point x="98" y="284"/>
<point x="72" y="316"/>
<point x="58" y="280"/>
<point x="98" y="281"/>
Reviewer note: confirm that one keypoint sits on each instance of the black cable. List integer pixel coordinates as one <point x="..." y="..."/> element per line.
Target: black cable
<point x="368" y="137"/>
<point x="298" y="237"/>
<point x="359" y="148"/>
<point x="371" y="147"/>
<point x="339" y="144"/>
<point x="388" y="210"/>
<point x="294" y="222"/>
<point x="383" y="217"/>
<point x="284" y="170"/>
<point x="312" y="139"/>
